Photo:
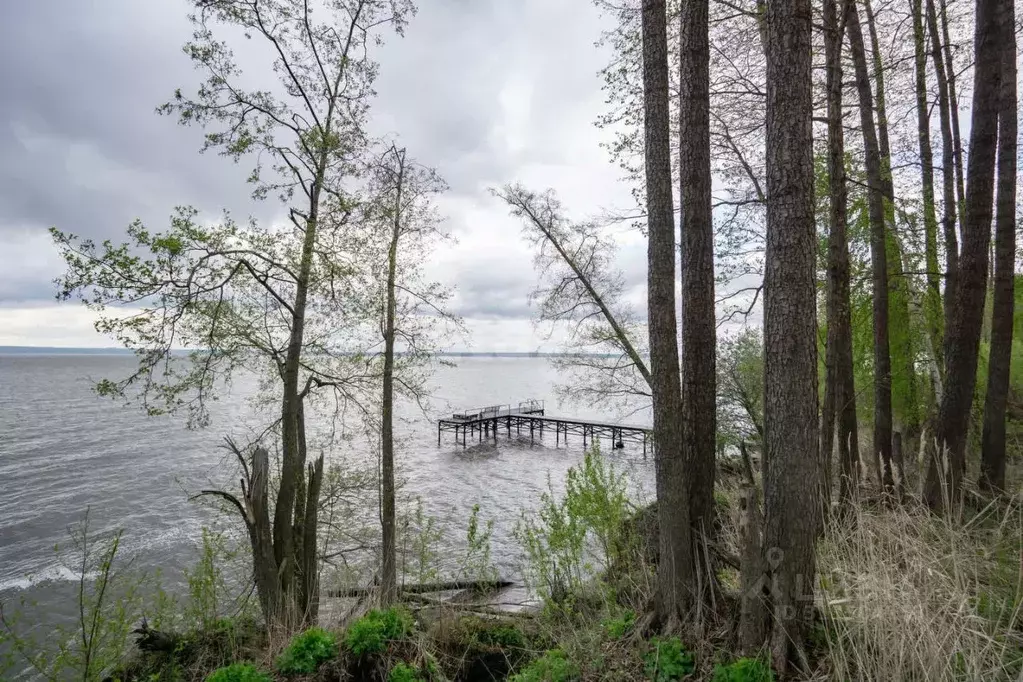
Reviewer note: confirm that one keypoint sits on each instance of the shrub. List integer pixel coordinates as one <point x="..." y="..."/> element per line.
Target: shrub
<point x="403" y="672"/>
<point x="617" y="627"/>
<point x="307" y="651"/>
<point x="553" y="666"/>
<point x="371" y="633"/>
<point x="667" y="660"/>
<point x="568" y="540"/>
<point x="744" y="670"/>
<point x="490" y="633"/>
<point x="239" y="672"/>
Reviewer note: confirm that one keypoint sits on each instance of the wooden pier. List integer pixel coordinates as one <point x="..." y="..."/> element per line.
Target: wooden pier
<point x="485" y="422"/>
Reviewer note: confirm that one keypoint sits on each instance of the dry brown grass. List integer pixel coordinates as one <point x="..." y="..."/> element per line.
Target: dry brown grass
<point x="907" y="595"/>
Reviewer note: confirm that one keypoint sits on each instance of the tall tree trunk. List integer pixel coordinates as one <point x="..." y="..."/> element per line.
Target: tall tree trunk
<point x="957" y="138"/>
<point x="992" y="465"/>
<point x="676" y="565"/>
<point x="880" y="100"/>
<point x="840" y="397"/>
<point x="878" y="250"/>
<point x="932" y="295"/>
<point x="967" y="312"/>
<point x="900" y="343"/>
<point x="309" y="595"/>
<point x="699" y="375"/>
<point x="256" y="513"/>
<point x="790" y="345"/>
<point x="948" y="165"/>
<point x="388" y="564"/>
<point x="292" y="464"/>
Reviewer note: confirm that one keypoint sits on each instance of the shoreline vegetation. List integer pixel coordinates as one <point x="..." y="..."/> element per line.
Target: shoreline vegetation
<point x="900" y="594"/>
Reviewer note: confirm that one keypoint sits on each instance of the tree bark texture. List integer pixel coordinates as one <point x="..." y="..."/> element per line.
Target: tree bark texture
<point x="309" y="589"/>
<point x="388" y="564"/>
<point x="755" y="597"/>
<point x="882" y="447"/>
<point x="699" y="376"/>
<point x="957" y="138"/>
<point x="839" y="408"/>
<point x="791" y="506"/>
<point x="948" y="165"/>
<point x="992" y="465"/>
<point x="967" y="312"/>
<point x="257" y="520"/>
<point x="676" y="566"/>
<point x="932" y="294"/>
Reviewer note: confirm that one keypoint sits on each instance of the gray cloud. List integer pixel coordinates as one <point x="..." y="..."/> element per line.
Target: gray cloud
<point x="488" y="91"/>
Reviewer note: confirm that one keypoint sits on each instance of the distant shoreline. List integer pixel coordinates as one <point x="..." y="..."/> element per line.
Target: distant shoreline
<point x="57" y="350"/>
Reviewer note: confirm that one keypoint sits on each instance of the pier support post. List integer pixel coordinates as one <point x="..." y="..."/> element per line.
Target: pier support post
<point x="438" y="434"/>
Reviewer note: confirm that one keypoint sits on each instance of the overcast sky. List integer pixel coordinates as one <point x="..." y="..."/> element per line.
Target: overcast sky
<point x="487" y="91"/>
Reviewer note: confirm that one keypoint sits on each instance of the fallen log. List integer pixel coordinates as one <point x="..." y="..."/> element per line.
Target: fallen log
<point x="425" y="588"/>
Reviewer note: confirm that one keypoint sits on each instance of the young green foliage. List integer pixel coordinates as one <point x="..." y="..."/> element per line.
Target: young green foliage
<point x="403" y="672"/>
<point x="553" y="666"/>
<point x="618" y="626"/>
<point x="307" y="651"/>
<point x="239" y="672"/>
<point x="371" y="633"/>
<point x="477" y="563"/>
<point x="110" y="597"/>
<point x="667" y="660"/>
<point x="743" y="670"/>
<point x="585" y="532"/>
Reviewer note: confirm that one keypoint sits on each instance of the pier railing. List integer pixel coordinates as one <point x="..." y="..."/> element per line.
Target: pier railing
<point x="524" y="407"/>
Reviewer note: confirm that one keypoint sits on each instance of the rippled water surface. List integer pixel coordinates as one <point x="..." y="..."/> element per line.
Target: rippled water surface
<point x="63" y="449"/>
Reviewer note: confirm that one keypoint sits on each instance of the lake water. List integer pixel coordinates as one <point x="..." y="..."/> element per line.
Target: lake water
<point x="63" y="449"/>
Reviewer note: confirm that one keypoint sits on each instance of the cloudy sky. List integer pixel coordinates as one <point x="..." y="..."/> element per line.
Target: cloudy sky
<point x="487" y="91"/>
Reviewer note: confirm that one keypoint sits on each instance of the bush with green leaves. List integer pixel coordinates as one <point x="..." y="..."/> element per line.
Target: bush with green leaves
<point x="477" y="563"/>
<point x="239" y="672"/>
<point x="403" y="672"/>
<point x="743" y="670"/>
<point x="307" y="651"/>
<point x="568" y="540"/>
<point x="371" y="633"/>
<point x="667" y="660"/>
<point x="616" y="627"/>
<point x="489" y="632"/>
<point x="553" y="666"/>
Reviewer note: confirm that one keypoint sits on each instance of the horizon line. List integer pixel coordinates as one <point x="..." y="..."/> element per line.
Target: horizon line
<point x="113" y="350"/>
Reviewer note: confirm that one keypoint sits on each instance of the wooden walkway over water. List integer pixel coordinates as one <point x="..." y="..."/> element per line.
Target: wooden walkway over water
<point x="485" y="422"/>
